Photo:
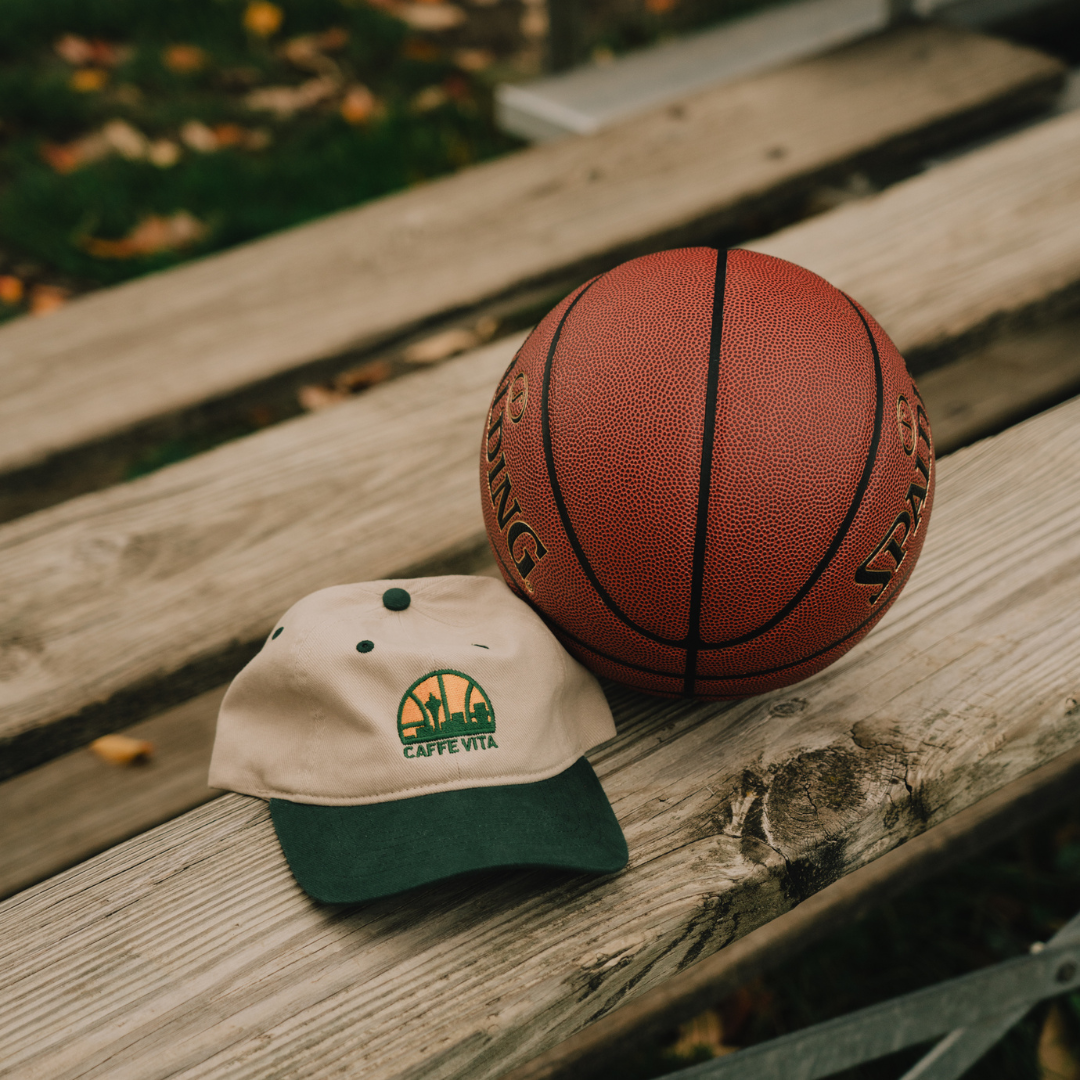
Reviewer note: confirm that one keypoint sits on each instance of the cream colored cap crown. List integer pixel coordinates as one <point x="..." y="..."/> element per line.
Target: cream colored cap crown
<point x="466" y="687"/>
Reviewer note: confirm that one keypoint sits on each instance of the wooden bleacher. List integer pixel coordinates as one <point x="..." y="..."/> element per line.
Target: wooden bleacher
<point x="188" y="950"/>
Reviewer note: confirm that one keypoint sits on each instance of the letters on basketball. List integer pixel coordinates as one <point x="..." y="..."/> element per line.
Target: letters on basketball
<point x="709" y="472"/>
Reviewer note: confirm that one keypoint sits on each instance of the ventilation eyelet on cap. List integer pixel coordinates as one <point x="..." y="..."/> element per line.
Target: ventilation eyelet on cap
<point x="396" y="599"/>
<point x="365" y="646"/>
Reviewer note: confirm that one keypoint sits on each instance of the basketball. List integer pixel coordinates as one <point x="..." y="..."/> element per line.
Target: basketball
<point x="709" y="472"/>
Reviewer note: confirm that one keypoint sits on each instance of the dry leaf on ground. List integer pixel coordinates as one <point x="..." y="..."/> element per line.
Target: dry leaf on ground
<point x="428" y="17"/>
<point x="262" y="18"/>
<point x="474" y="59"/>
<point x="195" y="135"/>
<point x="66" y="157"/>
<point x="46" y="298"/>
<point x="360" y="378"/>
<point x="307" y="53"/>
<point x="284" y="101"/>
<point x="11" y="289"/>
<point x="117" y="136"/>
<point x="122" y="749"/>
<point x="359" y="104"/>
<point x="702" y="1032"/>
<point x="154" y="234"/>
<point x="128" y="141"/>
<point x="81" y="52"/>
<point x="184" y="59"/>
<point x="439" y="346"/>
<point x="1057" y="1056"/>
<point x="88" y="80"/>
<point x="205" y="140"/>
<point x="163" y="153"/>
<point x="315" y="397"/>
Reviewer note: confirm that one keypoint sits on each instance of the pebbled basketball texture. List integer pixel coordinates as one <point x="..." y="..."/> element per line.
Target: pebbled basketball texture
<point x="709" y="472"/>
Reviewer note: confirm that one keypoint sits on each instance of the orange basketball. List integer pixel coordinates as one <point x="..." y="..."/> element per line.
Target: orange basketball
<point x="709" y="472"/>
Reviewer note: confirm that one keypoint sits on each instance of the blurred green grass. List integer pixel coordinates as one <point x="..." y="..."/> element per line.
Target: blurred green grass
<point x="316" y="162"/>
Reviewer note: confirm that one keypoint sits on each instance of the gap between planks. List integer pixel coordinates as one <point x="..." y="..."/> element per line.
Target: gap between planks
<point x="92" y="383"/>
<point x="189" y="952"/>
<point x="968" y="399"/>
<point x="125" y="602"/>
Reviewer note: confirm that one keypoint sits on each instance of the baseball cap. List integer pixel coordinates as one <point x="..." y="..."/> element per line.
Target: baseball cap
<point x="409" y="731"/>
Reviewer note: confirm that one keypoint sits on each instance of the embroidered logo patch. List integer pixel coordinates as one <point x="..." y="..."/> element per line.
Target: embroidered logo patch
<point x="445" y="712"/>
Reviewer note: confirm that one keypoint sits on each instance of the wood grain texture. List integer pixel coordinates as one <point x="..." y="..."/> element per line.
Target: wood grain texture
<point x="190" y="952"/>
<point x="123" y="602"/>
<point x="168" y="342"/>
<point x="174" y="578"/>
<point x="645" y="1019"/>
<point x="961" y="249"/>
<point x="61" y="813"/>
<point x="968" y="399"/>
<point x="1003" y="382"/>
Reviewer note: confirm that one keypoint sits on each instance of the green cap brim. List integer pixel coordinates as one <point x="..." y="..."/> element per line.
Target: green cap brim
<point x="345" y="854"/>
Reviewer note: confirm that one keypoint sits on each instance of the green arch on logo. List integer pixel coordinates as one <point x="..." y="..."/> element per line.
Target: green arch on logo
<point x="444" y="704"/>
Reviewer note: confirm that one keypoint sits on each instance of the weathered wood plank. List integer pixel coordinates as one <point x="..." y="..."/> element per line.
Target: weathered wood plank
<point x="177" y="576"/>
<point x="126" y="601"/>
<point x="118" y="360"/>
<point x="970" y="398"/>
<point x="189" y="951"/>
<point x="997" y="817"/>
<point x="61" y="813"/>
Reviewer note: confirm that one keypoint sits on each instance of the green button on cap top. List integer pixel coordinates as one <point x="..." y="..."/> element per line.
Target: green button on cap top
<point x="396" y="599"/>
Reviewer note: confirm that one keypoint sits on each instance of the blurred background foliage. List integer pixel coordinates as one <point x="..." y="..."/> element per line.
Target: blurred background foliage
<point x="135" y="134"/>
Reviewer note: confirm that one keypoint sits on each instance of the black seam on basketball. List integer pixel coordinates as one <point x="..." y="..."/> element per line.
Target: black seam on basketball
<point x="820" y="652"/>
<point x="708" y="434"/>
<point x="560" y="505"/>
<point x="849" y="517"/>
<point x="557" y="629"/>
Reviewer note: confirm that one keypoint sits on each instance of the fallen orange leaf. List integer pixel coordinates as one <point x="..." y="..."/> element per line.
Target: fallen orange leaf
<point x="1056" y="1053"/>
<point x="152" y="235"/>
<point x="358" y="105"/>
<point x="184" y="58"/>
<point x="360" y="378"/>
<point x="263" y="18"/>
<point x="87" y="80"/>
<point x="46" y="298"/>
<point x="229" y="134"/>
<point x="121" y="749"/>
<point x="11" y="289"/>
<point x="62" y="158"/>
